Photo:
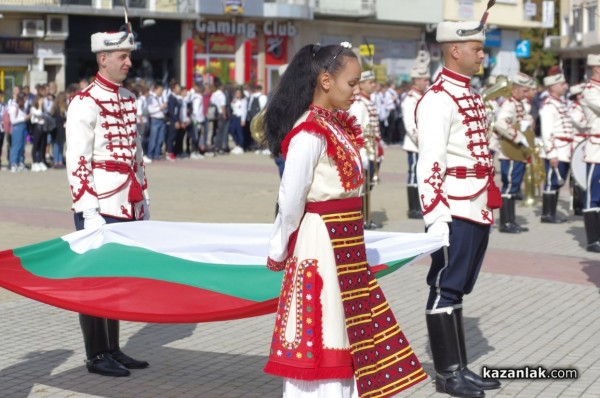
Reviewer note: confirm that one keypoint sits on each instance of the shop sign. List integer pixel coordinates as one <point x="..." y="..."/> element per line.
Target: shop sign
<point x="548" y="14"/>
<point x="367" y="50"/>
<point x="246" y="29"/>
<point x="493" y="38"/>
<point x="252" y="8"/>
<point x="16" y="46"/>
<point x="233" y="7"/>
<point x="43" y="49"/>
<point x="218" y="44"/>
<point x="276" y="50"/>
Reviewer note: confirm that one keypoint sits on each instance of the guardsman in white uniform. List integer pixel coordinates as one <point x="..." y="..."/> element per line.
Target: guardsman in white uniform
<point x="492" y="108"/>
<point x="557" y="139"/>
<point x="511" y="121"/>
<point x="591" y="106"/>
<point x="420" y="81"/>
<point x="455" y="178"/>
<point x="367" y="117"/>
<point x="106" y="176"/>
<point x="581" y="131"/>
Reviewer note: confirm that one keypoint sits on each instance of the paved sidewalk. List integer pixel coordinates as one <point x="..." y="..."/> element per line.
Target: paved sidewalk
<point x="535" y="304"/>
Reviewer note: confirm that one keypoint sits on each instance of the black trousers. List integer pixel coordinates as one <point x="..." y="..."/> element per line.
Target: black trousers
<point x="454" y="269"/>
<point x="100" y="335"/>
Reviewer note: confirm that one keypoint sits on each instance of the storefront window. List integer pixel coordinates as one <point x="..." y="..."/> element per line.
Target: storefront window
<point x="591" y="18"/>
<point x="577" y="21"/>
<point x="214" y="57"/>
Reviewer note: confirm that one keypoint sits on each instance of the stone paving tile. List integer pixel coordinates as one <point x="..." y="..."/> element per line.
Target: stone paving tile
<point x="221" y="360"/>
<point x="535" y="303"/>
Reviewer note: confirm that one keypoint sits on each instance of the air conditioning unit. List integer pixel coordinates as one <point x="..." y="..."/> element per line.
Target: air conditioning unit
<point x="552" y="43"/>
<point x="578" y="37"/>
<point x="57" y="27"/>
<point x="33" y="28"/>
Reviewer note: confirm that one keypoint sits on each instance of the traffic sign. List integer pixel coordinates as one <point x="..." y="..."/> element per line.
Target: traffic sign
<point x="367" y="50"/>
<point x="523" y="48"/>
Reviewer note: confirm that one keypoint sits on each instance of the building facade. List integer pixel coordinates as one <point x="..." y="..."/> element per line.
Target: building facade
<point x="245" y="40"/>
<point x="49" y="40"/>
<point x="579" y="36"/>
<point x="506" y="19"/>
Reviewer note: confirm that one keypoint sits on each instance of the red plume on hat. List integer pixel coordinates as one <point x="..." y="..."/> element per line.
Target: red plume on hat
<point x="555" y="70"/>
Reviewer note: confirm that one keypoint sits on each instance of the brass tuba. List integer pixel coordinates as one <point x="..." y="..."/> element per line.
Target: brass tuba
<point x="257" y="127"/>
<point x="502" y="88"/>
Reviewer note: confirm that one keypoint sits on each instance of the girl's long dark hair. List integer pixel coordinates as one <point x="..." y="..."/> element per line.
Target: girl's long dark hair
<point x="295" y="90"/>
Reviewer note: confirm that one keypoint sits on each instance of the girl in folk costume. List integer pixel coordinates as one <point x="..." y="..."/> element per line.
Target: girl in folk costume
<point x="335" y="335"/>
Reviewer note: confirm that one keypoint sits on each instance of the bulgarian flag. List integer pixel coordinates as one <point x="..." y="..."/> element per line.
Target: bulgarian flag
<point x="170" y="272"/>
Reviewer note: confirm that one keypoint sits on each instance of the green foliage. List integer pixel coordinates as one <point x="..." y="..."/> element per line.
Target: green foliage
<point x="541" y="60"/>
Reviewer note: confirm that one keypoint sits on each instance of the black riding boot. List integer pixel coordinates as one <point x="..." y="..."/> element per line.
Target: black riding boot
<point x="578" y="198"/>
<point x="511" y="204"/>
<point x="95" y="336"/>
<point x="549" y="203"/>
<point x="591" y="220"/>
<point x="95" y="339"/>
<point x="560" y="219"/>
<point x="414" y="208"/>
<point x="474" y="378"/>
<point x="507" y="216"/>
<point x="115" y="350"/>
<point x="446" y="350"/>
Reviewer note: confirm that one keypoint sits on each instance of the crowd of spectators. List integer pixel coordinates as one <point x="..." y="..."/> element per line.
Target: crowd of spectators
<point x="174" y="122"/>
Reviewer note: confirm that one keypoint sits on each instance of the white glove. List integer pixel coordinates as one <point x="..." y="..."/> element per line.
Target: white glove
<point x="364" y="157"/>
<point x="524" y="125"/>
<point x="440" y="228"/>
<point x="92" y="219"/>
<point x="523" y="142"/>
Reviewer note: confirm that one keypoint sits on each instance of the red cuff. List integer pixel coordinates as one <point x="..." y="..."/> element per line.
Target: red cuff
<point x="276" y="266"/>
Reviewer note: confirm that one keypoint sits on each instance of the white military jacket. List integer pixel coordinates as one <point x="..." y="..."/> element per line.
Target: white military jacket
<point x="365" y="112"/>
<point x="510" y="118"/>
<point x="104" y="162"/>
<point x="409" y="104"/>
<point x="591" y="107"/>
<point x="579" y="122"/>
<point x="455" y="165"/>
<point x="557" y="130"/>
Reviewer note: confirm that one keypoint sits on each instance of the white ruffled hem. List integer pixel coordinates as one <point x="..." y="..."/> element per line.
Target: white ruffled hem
<point x="339" y="388"/>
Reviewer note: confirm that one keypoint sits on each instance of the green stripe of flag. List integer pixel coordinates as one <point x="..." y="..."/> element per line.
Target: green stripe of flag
<point x="251" y="282"/>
